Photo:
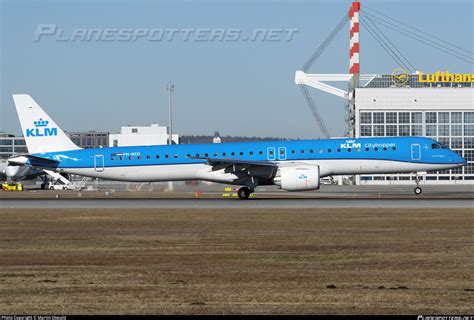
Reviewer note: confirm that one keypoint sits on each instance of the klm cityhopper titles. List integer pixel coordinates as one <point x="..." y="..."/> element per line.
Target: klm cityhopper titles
<point x="291" y="165"/>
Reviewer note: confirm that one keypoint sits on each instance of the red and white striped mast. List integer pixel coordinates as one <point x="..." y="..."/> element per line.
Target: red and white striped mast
<point x="354" y="63"/>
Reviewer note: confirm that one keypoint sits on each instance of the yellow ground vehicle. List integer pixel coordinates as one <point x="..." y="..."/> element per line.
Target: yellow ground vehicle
<point x="12" y="187"/>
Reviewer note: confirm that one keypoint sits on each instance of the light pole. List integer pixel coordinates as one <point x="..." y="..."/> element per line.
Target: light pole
<point x="170" y="89"/>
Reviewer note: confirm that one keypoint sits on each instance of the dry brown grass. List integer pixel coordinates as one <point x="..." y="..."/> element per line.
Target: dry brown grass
<point x="241" y="261"/>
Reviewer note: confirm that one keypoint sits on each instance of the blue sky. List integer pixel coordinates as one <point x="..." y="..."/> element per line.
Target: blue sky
<point x="238" y="88"/>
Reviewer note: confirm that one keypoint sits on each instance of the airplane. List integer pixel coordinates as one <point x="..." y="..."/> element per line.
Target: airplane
<point x="293" y="165"/>
<point x="18" y="173"/>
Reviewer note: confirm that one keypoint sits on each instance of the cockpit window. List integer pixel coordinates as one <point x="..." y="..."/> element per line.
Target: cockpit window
<point x="438" y="146"/>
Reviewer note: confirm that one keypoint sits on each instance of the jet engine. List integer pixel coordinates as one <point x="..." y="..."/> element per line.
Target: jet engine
<point x="298" y="178"/>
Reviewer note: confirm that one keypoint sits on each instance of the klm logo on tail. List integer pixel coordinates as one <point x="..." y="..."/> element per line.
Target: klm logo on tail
<point x="41" y="129"/>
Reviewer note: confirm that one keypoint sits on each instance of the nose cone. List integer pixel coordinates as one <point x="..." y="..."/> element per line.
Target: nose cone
<point x="458" y="159"/>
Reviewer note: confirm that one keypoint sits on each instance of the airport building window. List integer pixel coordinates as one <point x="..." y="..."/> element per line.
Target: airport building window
<point x="431" y="130"/>
<point x="443" y="117"/>
<point x="404" y="130"/>
<point x="456" y="117"/>
<point x="468" y="117"/>
<point x="391" y="130"/>
<point x="469" y="130"/>
<point x="365" y="131"/>
<point x="379" y="130"/>
<point x="430" y="117"/>
<point x="391" y="117"/>
<point x="416" y="130"/>
<point x="379" y="117"/>
<point x="366" y="117"/>
<point x="416" y="117"/>
<point x="404" y="117"/>
<point x="456" y="130"/>
<point x="443" y="130"/>
<point x="468" y="143"/>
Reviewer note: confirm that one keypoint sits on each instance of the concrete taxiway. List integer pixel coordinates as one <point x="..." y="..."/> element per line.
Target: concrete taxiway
<point x="236" y="203"/>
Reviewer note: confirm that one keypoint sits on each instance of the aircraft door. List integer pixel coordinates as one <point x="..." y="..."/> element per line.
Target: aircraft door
<point x="415" y="152"/>
<point x="99" y="162"/>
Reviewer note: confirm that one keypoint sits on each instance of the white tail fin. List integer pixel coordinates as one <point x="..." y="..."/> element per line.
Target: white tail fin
<point x="40" y="131"/>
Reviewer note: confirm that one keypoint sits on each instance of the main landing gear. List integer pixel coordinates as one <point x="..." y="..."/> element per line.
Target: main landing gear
<point x="244" y="193"/>
<point x="417" y="190"/>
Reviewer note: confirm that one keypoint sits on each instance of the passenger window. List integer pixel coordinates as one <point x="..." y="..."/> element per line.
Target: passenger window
<point x="175" y="156"/>
<point x="366" y="149"/>
<point x="215" y="154"/>
<point x="232" y="154"/>
<point x="188" y="155"/>
<point x="251" y="153"/>
<point x="311" y="151"/>
<point x="157" y="156"/>
<point x="338" y="150"/>
<point x="206" y="155"/>
<point x="329" y="150"/>
<point x="241" y="153"/>
<point x="139" y="157"/>
<point x="167" y="156"/>
<point x="197" y="155"/>
<point x="358" y="149"/>
<point x="261" y="152"/>
<point x="302" y="151"/>
<point x="112" y="158"/>
<point x="148" y="157"/>
<point x="270" y="152"/>
<point x="376" y="149"/>
<point x="394" y="148"/>
<point x="293" y="151"/>
<point x="384" y="148"/>
<point x="320" y="151"/>
<point x="130" y="157"/>
<point x="349" y="150"/>
<point x="121" y="158"/>
<point x="224" y="154"/>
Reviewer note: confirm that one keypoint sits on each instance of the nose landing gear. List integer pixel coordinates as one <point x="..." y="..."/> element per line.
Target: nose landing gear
<point x="417" y="189"/>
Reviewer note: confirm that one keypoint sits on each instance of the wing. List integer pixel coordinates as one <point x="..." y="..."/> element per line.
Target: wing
<point x="243" y="169"/>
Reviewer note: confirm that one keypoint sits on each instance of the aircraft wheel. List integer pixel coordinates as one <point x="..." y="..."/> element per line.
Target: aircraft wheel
<point x="417" y="190"/>
<point x="244" y="193"/>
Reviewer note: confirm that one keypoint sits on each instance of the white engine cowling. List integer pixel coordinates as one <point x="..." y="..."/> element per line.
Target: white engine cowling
<point x="298" y="178"/>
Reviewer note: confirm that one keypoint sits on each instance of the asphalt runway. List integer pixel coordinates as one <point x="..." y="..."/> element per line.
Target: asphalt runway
<point x="236" y="203"/>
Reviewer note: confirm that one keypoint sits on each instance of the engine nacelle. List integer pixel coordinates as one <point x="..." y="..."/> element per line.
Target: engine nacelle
<point x="298" y="178"/>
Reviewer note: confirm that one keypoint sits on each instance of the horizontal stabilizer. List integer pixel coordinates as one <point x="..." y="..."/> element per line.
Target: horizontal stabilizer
<point x="33" y="161"/>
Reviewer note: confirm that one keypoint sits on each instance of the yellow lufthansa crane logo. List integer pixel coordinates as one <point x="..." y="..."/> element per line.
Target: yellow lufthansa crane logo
<point x="399" y="77"/>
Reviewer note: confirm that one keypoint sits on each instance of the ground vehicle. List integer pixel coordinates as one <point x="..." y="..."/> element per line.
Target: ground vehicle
<point x="49" y="185"/>
<point x="12" y="187"/>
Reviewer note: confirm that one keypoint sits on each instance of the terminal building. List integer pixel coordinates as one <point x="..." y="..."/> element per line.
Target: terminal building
<point x="11" y="145"/>
<point x="442" y="111"/>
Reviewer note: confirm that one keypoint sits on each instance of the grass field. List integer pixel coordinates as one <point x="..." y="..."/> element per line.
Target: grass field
<point x="203" y="261"/>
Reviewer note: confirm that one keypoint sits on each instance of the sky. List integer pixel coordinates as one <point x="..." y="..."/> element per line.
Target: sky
<point x="242" y="87"/>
